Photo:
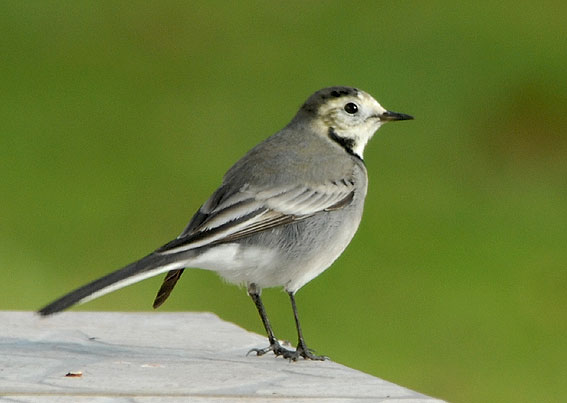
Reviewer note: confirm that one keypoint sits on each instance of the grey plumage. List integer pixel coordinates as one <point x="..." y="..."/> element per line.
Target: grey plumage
<point x="282" y="215"/>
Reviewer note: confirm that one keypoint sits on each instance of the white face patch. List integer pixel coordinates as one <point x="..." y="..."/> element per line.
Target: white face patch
<point x="352" y="117"/>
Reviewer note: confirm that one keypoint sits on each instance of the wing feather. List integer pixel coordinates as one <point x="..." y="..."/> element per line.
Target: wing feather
<point x="248" y="212"/>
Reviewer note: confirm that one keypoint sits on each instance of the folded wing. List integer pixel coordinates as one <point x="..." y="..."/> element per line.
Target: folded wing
<point x="247" y="212"/>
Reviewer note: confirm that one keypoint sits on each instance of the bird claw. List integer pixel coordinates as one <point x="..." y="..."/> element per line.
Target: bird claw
<point x="308" y="355"/>
<point x="275" y="347"/>
<point x="292" y="355"/>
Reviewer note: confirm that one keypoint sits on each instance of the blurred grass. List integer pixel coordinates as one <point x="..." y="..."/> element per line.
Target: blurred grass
<point x="118" y="120"/>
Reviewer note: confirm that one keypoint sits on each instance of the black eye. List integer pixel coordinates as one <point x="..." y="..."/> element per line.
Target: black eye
<point x="351" y="108"/>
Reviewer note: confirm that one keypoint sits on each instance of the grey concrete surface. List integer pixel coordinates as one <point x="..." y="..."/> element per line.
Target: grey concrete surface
<point x="164" y="357"/>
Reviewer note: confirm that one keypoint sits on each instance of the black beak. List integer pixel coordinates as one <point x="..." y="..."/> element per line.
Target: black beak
<point x="389" y="115"/>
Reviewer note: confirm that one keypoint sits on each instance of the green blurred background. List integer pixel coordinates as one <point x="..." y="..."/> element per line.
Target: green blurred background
<point x="118" y="119"/>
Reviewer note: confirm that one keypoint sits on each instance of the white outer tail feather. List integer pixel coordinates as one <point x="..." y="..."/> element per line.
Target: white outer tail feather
<point x="131" y="280"/>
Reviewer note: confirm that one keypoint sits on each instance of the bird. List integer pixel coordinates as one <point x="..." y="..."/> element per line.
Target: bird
<point x="282" y="215"/>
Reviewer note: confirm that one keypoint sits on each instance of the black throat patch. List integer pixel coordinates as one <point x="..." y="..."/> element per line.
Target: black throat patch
<point x="345" y="143"/>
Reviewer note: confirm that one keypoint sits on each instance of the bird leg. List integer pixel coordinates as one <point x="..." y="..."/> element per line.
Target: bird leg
<point x="302" y="350"/>
<point x="275" y="345"/>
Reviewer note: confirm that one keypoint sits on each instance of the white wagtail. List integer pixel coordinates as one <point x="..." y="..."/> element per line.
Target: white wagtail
<point x="282" y="215"/>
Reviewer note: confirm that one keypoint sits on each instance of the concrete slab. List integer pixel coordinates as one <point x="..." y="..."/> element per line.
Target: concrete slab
<point x="164" y="357"/>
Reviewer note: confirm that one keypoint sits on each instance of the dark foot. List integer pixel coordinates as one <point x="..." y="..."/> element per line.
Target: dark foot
<point x="291" y="355"/>
<point x="275" y="347"/>
<point x="307" y="353"/>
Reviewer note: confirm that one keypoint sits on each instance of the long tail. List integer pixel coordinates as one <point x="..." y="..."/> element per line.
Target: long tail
<point x="146" y="267"/>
